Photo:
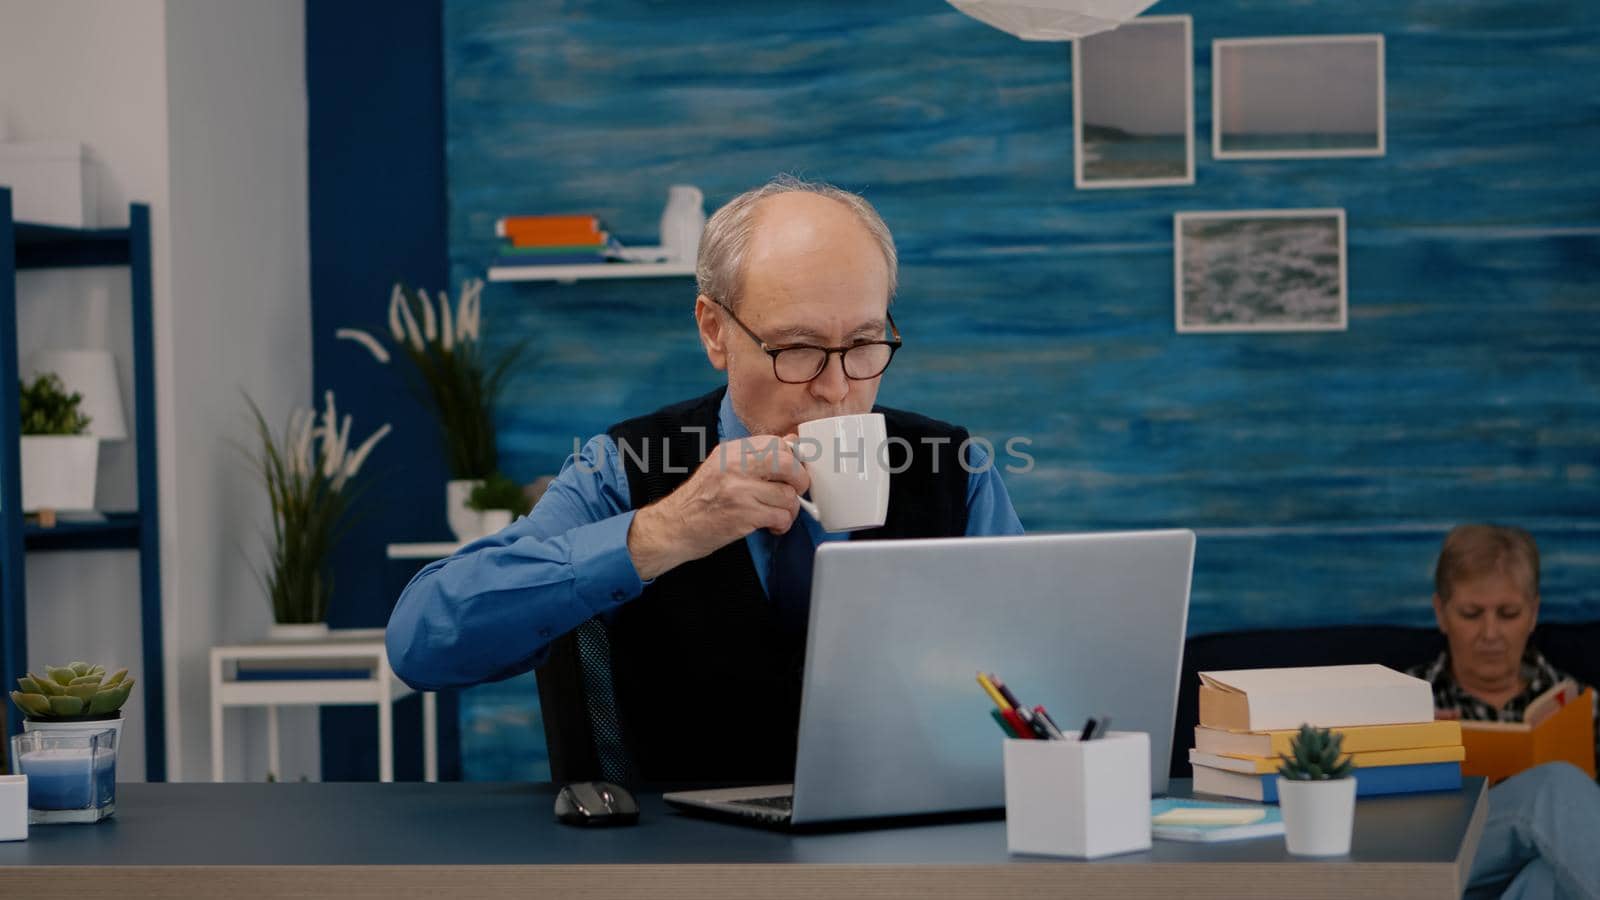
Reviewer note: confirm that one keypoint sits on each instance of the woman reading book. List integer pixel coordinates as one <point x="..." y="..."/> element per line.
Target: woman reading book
<point x="1486" y="600"/>
<point x="1539" y="836"/>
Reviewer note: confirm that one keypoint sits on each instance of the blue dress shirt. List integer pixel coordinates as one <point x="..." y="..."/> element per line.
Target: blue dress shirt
<point x="491" y="610"/>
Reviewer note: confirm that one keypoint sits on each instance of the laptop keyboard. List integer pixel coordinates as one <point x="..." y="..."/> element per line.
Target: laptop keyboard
<point x="769" y="807"/>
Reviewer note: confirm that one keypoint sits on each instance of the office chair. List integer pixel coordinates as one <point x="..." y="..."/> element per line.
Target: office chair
<point x="581" y="728"/>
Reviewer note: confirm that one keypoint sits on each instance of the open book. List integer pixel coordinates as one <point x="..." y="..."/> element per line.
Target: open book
<point x="1557" y="726"/>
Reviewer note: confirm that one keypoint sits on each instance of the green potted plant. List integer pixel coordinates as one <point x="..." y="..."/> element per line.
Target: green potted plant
<point x="498" y="501"/>
<point x="456" y="379"/>
<point x="73" y="697"/>
<point x="1317" y="791"/>
<point x="59" y="460"/>
<point x="308" y="474"/>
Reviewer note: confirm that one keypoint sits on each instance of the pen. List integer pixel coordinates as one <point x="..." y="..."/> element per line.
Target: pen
<point x="1102" y="726"/>
<point x="1050" y="729"/>
<point x="1088" y="730"/>
<point x="989" y="688"/>
<point x="1001" y="721"/>
<point x="1049" y="722"/>
<point x="1033" y="723"/>
<point x="1023" y="731"/>
<point x="1005" y="692"/>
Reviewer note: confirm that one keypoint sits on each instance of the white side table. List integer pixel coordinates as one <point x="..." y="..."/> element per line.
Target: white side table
<point x="356" y="647"/>
<point x="426" y="551"/>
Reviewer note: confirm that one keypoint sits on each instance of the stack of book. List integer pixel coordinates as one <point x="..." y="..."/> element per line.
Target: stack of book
<point x="563" y="240"/>
<point x="1249" y="716"/>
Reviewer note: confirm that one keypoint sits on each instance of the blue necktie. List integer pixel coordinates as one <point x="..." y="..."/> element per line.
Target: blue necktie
<point x="789" y="579"/>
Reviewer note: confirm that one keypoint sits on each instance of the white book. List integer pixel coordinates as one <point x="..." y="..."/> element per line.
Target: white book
<point x="1325" y="696"/>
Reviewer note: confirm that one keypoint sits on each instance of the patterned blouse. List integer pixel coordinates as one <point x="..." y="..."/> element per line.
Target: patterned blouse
<point x="1451" y="700"/>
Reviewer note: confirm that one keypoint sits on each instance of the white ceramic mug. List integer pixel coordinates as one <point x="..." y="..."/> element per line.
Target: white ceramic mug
<point x="844" y="455"/>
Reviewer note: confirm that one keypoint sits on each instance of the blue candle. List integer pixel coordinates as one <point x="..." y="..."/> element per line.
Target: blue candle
<point x="60" y="779"/>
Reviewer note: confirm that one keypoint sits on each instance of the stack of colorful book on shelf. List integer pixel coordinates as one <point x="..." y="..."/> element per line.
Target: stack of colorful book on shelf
<point x="560" y="240"/>
<point x="1249" y="716"/>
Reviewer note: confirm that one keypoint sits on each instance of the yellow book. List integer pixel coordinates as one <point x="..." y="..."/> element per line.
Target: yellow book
<point x="1357" y="739"/>
<point x="1502" y="749"/>
<point x="1262" y="765"/>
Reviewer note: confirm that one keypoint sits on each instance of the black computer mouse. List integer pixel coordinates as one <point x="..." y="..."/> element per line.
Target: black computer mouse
<point x="596" y="804"/>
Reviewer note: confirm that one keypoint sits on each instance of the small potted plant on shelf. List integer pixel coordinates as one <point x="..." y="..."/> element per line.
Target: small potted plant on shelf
<point x="498" y="501"/>
<point x="59" y="458"/>
<point x="307" y="474"/>
<point x="64" y="749"/>
<point x="455" y="378"/>
<point x="1317" y="791"/>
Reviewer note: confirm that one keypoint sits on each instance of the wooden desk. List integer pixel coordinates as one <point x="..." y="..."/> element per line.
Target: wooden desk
<point x="404" y="840"/>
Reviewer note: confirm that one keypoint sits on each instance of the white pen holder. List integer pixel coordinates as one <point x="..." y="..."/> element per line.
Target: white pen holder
<point x="13" y="807"/>
<point x="1083" y="799"/>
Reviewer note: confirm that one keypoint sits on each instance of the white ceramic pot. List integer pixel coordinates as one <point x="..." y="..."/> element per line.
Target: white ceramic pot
<point x="91" y="726"/>
<point x="1318" y="816"/>
<point x="58" y="471"/>
<point x="465" y="522"/>
<point x="297" y="631"/>
<point x="682" y="220"/>
<point x="493" y="520"/>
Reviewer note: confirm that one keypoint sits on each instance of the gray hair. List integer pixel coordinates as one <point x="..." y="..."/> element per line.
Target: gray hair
<point x="1473" y="551"/>
<point x="719" y="270"/>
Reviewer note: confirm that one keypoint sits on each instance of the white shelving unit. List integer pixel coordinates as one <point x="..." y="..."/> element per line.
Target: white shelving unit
<point x="570" y="274"/>
<point x="438" y="550"/>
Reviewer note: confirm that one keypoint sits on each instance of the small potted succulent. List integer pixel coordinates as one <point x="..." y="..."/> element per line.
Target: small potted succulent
<point x="59" y="458"/>
<point x="74" y="697"/>
<point x="1317" y="791"/>
<point x="70" y="764"/>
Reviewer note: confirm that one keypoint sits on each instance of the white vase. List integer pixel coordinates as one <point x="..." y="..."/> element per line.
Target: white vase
<point x="465" y="522"/>
<point x="682" y="220"/>
<point x="1318" y="816"/>
<point x="298" y="631"/>
<point x="58" y="471"/>
<point x="493" y="520"/>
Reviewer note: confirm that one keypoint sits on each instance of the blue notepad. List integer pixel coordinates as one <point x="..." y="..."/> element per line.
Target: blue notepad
<point x="1270" y="823"/>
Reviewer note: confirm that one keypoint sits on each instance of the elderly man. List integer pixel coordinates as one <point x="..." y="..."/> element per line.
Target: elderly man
<point x="1538" y="840"/>
<point x="691" y="547"/>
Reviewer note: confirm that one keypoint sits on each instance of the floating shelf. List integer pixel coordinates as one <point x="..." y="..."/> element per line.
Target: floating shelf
<point x="117" y="531"/>
<point x="52" y="247"/>
<point x="591" y="271"/>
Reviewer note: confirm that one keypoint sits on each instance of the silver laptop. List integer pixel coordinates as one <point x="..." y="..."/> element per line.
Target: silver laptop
<point x="892" y="720"/>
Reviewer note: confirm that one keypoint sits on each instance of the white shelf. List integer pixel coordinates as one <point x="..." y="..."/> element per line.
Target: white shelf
<point x="592" y="271"/>
<point x="423" y="551"/>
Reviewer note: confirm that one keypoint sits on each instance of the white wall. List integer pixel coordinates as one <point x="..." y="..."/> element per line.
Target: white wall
<point x="93" y="72"/>
<point x="241" y="289"/>
<point x="197" y="108"/>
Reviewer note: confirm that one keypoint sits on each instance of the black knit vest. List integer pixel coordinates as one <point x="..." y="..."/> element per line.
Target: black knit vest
<point x="706" y="680"/>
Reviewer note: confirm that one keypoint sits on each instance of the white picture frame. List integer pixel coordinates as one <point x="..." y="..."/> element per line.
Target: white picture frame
<point x="1132" y="94"/>
<point x="1304" y="97"/>
<point x="1260" y="270"/>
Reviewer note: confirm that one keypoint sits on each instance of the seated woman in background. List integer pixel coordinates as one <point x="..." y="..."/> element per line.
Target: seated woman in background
<point x="1486" y="600"/>
<point x="1539" y="837"/>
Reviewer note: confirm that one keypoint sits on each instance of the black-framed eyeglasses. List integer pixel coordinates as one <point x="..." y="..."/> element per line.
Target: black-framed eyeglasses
<point x="801" y="363"/>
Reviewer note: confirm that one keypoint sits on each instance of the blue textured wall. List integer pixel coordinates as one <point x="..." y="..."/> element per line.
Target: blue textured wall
<point x="375" y="112"/>
<point x="1321" y="469"/>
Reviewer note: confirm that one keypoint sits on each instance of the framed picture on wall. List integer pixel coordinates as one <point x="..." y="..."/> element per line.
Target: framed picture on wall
<point x="1133" y="102"/>
<point x="1260" y="270"/>
<point x="1297" y="97"/>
